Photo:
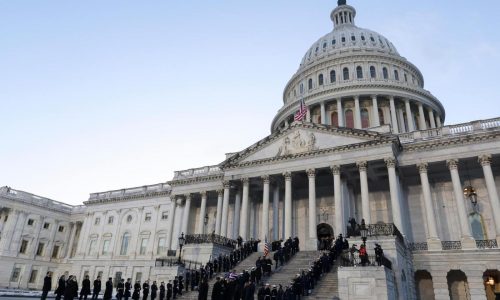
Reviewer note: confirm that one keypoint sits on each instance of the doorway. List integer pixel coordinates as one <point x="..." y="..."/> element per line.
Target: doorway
<point x="325" y="236"/>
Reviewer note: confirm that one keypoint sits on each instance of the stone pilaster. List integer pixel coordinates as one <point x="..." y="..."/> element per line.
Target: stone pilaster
<point x="432" y="237"/>
<point x="365" y="200"/>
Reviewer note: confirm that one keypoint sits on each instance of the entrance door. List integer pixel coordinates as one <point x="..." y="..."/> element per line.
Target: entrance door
<point x="325" y="236"/>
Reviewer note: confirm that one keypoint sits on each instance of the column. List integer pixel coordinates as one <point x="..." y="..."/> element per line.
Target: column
<point x="185" y="218"/>
<point x="357" y="113"/>
<point x="8" y="230"/>
<point x="394" y="119"/>
<point x="218" y="216"/>
<point x="432" y="237"/>
<point x="265" y="210"/>
<point x="394" y="190"/>
<point x="244" y="209"/>
<point x="365" y="201"/>
<point x="466" y="236"/>
<point x="438" y="121"/>
<point x="276" y="205"/>
<point x="225" y="210"/>
<point x="288" y="204"/>
<point x="171" y="221"/>
<point x="313" y="238"/>
<point x="339" y="209"/>
<point x="376" y="120"/>
<point x="401" y="120"/>
<point x="323" y="113"/>
<point x="308" y="114"/>
<point x="485" y="161"/>
<point x="421" y="117"/>
<point x="432" y="120"/>
<point x="69" y="246"/>
<point x="409" y="116"/>
<point x="203" y="211"/>
<point x="52" y="241"/>
<point x="340" y="113"/>
<point x="237" y="211"/>
<point x="18" y="231"/>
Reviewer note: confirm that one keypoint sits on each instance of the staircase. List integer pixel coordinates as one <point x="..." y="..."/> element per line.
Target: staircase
<point x="283" y="275"/>
<point x="327" y="287"/>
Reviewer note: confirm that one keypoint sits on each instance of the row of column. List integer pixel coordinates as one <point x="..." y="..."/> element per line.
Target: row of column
<point x="434" y="119"/>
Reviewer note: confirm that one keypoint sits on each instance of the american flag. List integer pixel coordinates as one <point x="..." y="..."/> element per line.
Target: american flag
<point x="266" y="248"/>
<point x="301" y="114"/>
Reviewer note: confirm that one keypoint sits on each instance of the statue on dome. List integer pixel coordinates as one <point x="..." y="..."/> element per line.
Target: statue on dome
<point x="342" y="2"/>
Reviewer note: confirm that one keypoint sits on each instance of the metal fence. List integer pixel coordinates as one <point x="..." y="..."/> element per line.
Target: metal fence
<point x="210" y="238"/>
<point x="354" y="260"/>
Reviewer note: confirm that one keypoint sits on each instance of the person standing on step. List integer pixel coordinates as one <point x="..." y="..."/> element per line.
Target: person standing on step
<point x="108" y="291"/>
<point x="169" y="290"/>
<point x="47" y="285"/>
<point x="85" y="291"/>
<point x="61" y="286"/>
<point x="128" y="287"/>
<point x="154" y="290"/>
<point x="137" y="290"/>
<point x="162" y="291"/>
<point x="120" y="289"/>
<point x="145" y="290"/>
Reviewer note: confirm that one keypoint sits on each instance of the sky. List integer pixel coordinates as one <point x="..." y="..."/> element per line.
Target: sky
<point x="102" y="95"/>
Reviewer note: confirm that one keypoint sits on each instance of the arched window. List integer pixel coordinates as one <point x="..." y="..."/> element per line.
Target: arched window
<point x="386" y="74"/>
<point x="324" y="45"/>
<point x="125" y="242"/>
<point x="343" y="39"/>
<point x="359" y="72"/>
<point x="373" y="72"/>
<point x="333" y="76"/>
<point x="334" y="41"/>
<point x="301" y="88"/>
<point x="320" y="79"/>
<point x="349" y="119"/>
<point x="406" y="78"/>
<point x="353" y="38"/>
<point x="346" y="74"/>
<point x="362" y="37"/>
<point x="310" y="84"/>
<point x="381" y="116"/>
<point x="365" y="118"/>
<point x="477" y="225"/>
<point x="396" y="75"/>
<point x="334" y="117"/>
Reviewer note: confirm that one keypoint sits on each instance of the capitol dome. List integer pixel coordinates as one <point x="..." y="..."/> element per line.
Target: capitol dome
<point x="355" y="77"/>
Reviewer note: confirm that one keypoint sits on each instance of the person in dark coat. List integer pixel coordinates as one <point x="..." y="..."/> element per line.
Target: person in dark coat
<point x="162" y="290"/>
<point x="217" y="290"/>
<point x="137" y="290"/>
<point x="71" y="290"/>
<point x="249" y="291"/>
<point x="61" y="286"/>
<point x="154" y="290"/>
<point x="108" y="292"/>
<point x="128" y="287"/>
<point x="203" y="290"/>
<point x="169" y="290"/>
<point x="85" y="291"/>
<point x="120" y="289"/>
<point x="145" y="290"/>
<point x="47" y="285"/>
<point x="175" y="287"/>
<point x="97" y="288"/>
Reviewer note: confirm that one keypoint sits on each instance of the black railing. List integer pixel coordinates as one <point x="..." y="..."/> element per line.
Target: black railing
<point x="171" y="252"/>
<point x="380" y="229"/>
<point x="486" y="244"/>
<point x="170" y="262"/>
<point x="451" y="245"/>
<point x="422" y="246"/>
<point x="210" y="238"/>
<point x="354" y="260"/>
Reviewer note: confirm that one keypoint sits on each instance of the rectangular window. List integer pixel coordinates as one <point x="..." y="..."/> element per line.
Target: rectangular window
<point x="144" y="245"/>
<point x="92" y="247"/>
<point x="24" y="246"/>
<point x="55" y="251"/>
<point x="110" y="220"/>
<point x="138" y="276"/>
<point x="46" y="225"/>
<point x="31" y="222"/>
<point x="15" y="274"/>
<point x="39" y="250"/>
<point x="161" y="245"/>
<point x="164" y="215"/>
<point x="86" y="273"/>
<point x="97" y="221"/>
<point x="118" y="278"/>
<point x="99" y="274"/>
<point x="33" y="275"/>
<point x="147" y="217"/>
<point x="61" y="229"/>
<point x="105" y="247"/>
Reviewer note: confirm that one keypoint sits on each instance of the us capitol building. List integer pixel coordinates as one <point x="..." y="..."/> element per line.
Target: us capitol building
<point x="374" y="145"/>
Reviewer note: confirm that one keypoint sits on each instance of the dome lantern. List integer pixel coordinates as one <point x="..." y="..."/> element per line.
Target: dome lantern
<point x="343" y="14"/>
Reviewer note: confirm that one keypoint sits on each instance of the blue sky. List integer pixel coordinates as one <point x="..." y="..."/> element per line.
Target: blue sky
<point x="101" y="95"/>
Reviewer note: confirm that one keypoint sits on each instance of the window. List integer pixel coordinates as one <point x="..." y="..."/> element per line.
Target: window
<point x="310" y="84"/>
<point x="97" y="221"/>
<point x="381" y="116"/>
<point x="353" y="38"/>
<point x="324" y="45"/>
<point x="92" y="244"/>
<point x="365" y="119"/>
<point x="55" y="251"/>
<point x="31" y="222"/>
<point x="162" y="243"/>
<point x="343" y="39"/>
<point x="129" y="218"/>
<point x="372" y="39"/>
<point x="373" y="72"/>
<point x="346" y="74"/>
<point x="39" y="250"/>
<point x="320" y="79"/>
<point x="144" y="245"/>
<point x="33" y="275"/>
<point x="46" y="225"/>
<point x="24" y="246"/>
<point x="164" y="215"/>
<point x="110" y="220"/>
<point x="334" y="41"/>
<point x="117" y="279"/>
<point x="359" y="72"/>
<point x="333" y="76"/>
<point x="147" y="217"/>
<point x="125" y="242"/>
<point x="14" y="277"/>
<point x="406" y="77"/>
<point x="105" y="247"/>
<point x="334" y="117"/>
<point x="317" y="49"/>
<point x="99" y="274"/>
<point x="138" y="276"/>
<point x="349" y="118"/>
<point x="396" y="75"/>
<point x="301" y="88"/>
<point x="61" y="229"/>
<point x="362" y="37"/>
<point x="386" y="74"/>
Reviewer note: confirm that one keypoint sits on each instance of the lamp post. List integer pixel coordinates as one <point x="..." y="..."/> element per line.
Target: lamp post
<point x="182" y="240"/>
<point x="363" y="231"/>
<point x="205" y="222"/>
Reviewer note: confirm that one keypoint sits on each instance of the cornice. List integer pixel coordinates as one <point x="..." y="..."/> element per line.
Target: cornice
<point x="451" y="141"/>
<point x="200" y="179"/>
<point x="126" y="198"/>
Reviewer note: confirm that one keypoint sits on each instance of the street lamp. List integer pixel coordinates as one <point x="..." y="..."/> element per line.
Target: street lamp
<point x="364" y="232"/>
<point x="182" y="240"/>
<point x="205" y="222"/>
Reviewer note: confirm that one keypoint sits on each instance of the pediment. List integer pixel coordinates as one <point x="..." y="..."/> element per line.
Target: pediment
<point x="302" y="138"/>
